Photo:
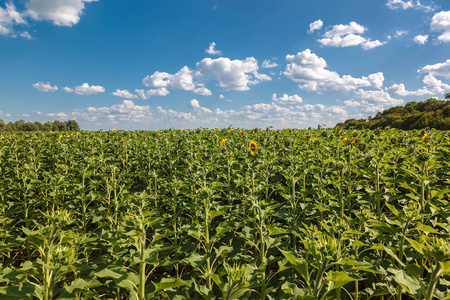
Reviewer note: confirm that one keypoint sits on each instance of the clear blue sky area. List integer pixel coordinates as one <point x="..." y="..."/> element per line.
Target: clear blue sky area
<point x="144" y="64"/>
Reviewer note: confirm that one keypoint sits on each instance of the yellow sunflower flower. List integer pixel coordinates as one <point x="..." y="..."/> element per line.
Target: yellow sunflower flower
<point x="425" y="137"/>
<point x="253" y="147"/>
<point x="222" y="143"/>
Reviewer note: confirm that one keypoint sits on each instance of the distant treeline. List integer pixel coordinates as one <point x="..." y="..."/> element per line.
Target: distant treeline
<point x="431" y="113"/>
<point x="21" y="125"/>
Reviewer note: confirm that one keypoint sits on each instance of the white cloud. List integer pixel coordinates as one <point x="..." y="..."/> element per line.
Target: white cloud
<point x="341" y="30"/>
<point x="368" y="44"/>
<point x="9" y="17"/>
<point x="143" y="94"/>
<point x="351" y="103"/>
<point x="183" y="80"/>
<point x="85" y="89"/>
<point x="202" y="91"/>
<point x="401" y="4"/>
<point x="400" y="90"/>
<point x="346" y="41"/>
<point x="307" y="68"/>
<point x="439" y="69"/>
<point x="45" y="87"/>
<point x="59" y="12"/>
<point x="125" y="111"/>
<point x="172" y="116"/>
<point x="199" y="109"/>
<point x="435" y="84"/>
<point x="421" y="39"/>
<point x="124" y="94"/>
<point x="316" y="25"/>
<point x="347" y="36"/>
<point x="194" y="103"/>
<point x="232" y="74"/>
<point x="59" y="115"/>
<point x="285" y="99"/>
<point x="269" y="64"/>
<point x="211" y="50"/>
<point x="379" y="97"/>
<point x="441" y="23"/>
<point x="399" y="33"/>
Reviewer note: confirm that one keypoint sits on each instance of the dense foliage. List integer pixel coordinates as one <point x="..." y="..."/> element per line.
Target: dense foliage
<point x="21" y="125"/>
<point x="225" y="214"/>
<point x="431" y="113"/>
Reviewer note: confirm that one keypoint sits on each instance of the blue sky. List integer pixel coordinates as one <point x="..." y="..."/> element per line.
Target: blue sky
<point x="145" y="64"/>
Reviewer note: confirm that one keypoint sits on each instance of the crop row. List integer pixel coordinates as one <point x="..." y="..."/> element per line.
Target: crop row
<point x="225" y="214"/>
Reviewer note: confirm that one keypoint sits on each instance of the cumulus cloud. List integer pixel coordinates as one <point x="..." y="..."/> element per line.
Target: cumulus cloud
<point x="9" y="17"/>
<point x="286" y="99"/>
<point x="212" y="49"/>
<point x="125" y="111"/>
<point x="316" y="25"/>
<point x="378" y="97"/>
<point x="439" y="69"/>
<point x="421" y="39"/>
<point x="183" y="80"/>
<point x="143" y="94"/>
<point x="401" y="4"/>
<point x="44" y="87"/>
<point x="441" y="23"/>
<point x="232" y="74"/>
<point x="124" y="94"/>
<point x="202" y="91"/>
<point x="435" y="84"/>
<point x="348" y="35"/>
<point x="400" y="90"/>
<point x="59" y="12"/>
<point x="351" y="103"/>
<point x="199" y="109"/>
<point x="269" y="64"/>
<point x="85" y="89"/>
<point x="310" y="70"/>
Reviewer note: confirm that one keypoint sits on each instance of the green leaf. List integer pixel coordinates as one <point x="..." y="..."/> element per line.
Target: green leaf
<point x="410" y="284"/>
<point x="108" y="273"/>
<point x="425" y="228"/>
<point x="167" y="283"/>
<point x="300" y="265"/>
<point x="339" y="279"/>
<point x="418" y="247"/>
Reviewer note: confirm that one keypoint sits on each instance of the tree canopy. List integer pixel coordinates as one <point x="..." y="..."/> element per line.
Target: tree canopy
<point x="21" y="125"/>
<point x="432" y="113"/>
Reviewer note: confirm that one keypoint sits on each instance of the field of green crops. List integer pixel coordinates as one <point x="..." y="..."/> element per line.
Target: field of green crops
<point x="225" y="214"/>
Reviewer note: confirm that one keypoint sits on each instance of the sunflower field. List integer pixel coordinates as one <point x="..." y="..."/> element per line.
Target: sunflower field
<point x="225" y="214"/>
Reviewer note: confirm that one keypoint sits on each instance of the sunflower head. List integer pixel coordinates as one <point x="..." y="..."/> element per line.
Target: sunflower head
<point x="112" y="130"/>
<point x="253" y="147"/>
<point x="240" y="132"/>
<point x="376" y="132"/>
<point x="355" y="142"/>
<point x="425" y="137"/>
<point x="305" y="137"/>
<point x="393" y="140"/>
<point x="346" y="141"/>
<point x="222" y="143"/>
<point x="361" y="147"/>
<point x="354" y="134"/>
